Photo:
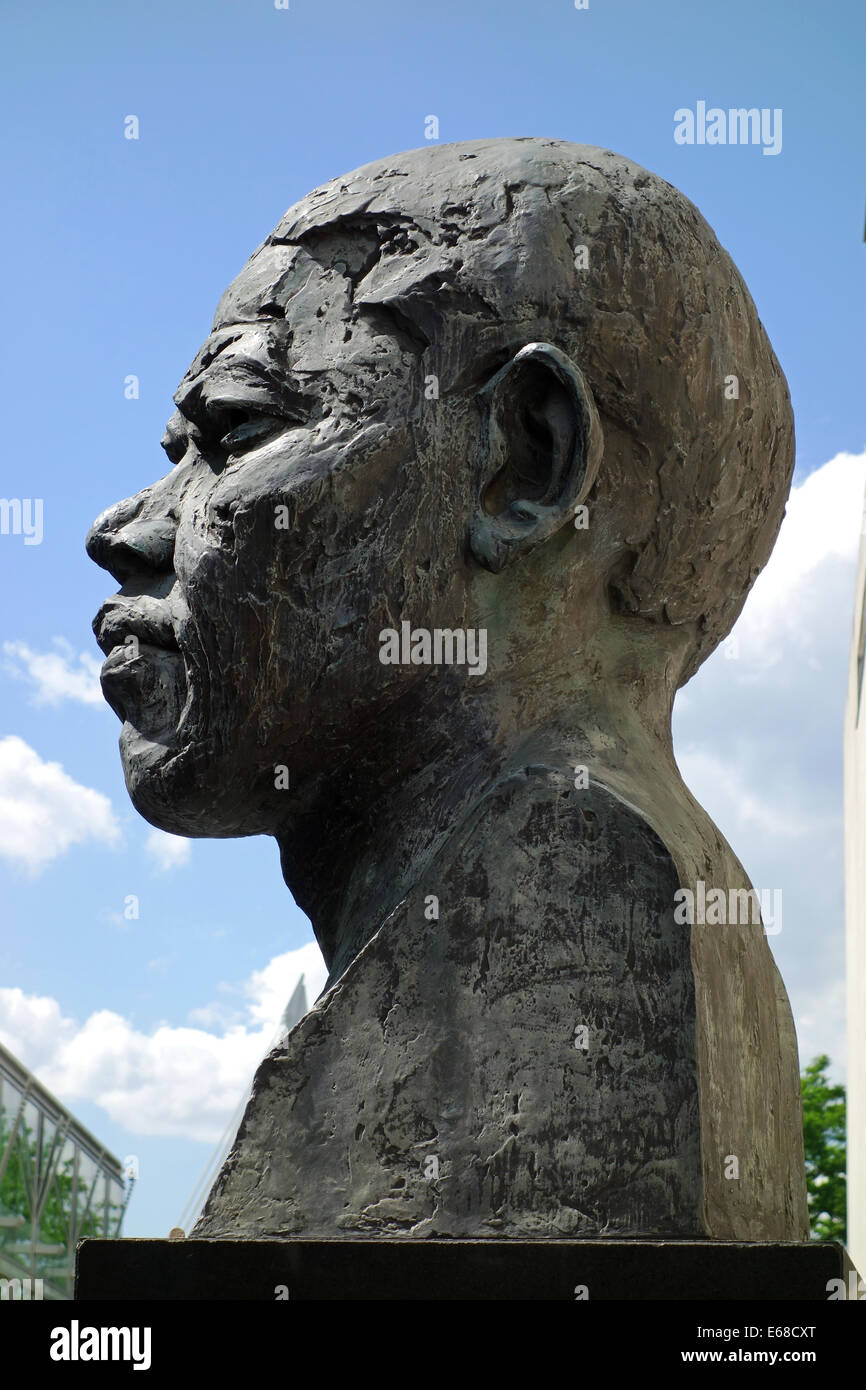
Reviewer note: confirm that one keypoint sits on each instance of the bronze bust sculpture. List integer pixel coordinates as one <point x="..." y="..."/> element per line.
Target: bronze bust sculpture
<point x="475" y="398"/>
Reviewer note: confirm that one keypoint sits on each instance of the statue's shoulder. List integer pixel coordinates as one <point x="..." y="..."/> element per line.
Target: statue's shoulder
<point x="543" y="831"/>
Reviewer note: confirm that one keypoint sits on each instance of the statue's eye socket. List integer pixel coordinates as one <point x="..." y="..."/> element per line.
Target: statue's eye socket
<point x="243" y="429"/>
<point x="238" y="429"/>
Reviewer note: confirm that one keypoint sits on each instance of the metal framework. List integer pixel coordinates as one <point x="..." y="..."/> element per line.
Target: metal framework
<point x="57" y="1184"/>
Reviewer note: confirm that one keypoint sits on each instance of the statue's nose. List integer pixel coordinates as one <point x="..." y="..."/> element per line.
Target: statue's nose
<point x="127" y="548"/>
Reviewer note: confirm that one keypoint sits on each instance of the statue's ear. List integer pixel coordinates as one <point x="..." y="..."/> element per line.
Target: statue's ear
<point x="543" y="444"/>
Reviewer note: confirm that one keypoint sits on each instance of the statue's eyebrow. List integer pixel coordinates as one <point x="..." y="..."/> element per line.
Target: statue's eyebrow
<point x="243" y="382"/>
<point x="209" y="355"/>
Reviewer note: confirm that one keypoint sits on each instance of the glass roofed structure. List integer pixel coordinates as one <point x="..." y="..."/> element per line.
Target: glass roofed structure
<point x="57" y="1184"/>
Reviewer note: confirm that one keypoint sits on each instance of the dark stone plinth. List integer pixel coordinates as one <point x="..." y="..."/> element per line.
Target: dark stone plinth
<point x="169" y="1270"/>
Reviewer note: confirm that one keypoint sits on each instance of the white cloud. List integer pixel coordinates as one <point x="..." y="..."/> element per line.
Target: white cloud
<point x="180" y="1081"/>
<point x="805" y="594"/>
<point x="823" y="521"/>
<point x="57" y="675"/>
<point x="268" y="991"/>
<point x="168" y="851"/>
<point x="43" y="811"/>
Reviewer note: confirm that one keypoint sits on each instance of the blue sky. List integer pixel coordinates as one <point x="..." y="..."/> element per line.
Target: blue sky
<point x="116" y="252"/>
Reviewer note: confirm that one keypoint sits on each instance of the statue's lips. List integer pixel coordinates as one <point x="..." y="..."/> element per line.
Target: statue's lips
<point x="142" y="677"/>
<point x="115" y="624"/>
<point x="124" y="659"/>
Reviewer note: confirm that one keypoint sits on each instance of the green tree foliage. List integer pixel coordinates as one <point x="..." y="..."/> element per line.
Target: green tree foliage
<point x="824" y="1137"/>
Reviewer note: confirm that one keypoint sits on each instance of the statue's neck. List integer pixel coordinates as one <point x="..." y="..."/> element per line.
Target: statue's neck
<point x="377" y="827"/>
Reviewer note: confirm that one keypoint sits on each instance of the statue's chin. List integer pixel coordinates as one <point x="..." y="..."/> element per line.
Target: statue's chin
<point x="160" y="785"/>
<point x="145" y="758"/>
<point x="181" y="785"/>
